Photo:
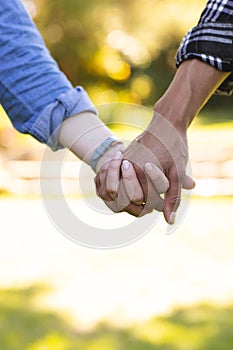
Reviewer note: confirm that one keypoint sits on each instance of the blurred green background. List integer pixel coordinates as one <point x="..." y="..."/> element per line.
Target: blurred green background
<point x="166" y="293"/>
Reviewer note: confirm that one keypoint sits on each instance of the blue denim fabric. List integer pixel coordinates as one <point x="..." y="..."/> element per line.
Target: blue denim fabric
<point x="35" y="94"/>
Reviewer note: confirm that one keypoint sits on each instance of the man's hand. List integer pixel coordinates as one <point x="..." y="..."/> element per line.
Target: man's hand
<point x="163" y="145"/>
<point x="149" y="169"/>
<point x="153" y="164"/>
<point x="162" y="153"/>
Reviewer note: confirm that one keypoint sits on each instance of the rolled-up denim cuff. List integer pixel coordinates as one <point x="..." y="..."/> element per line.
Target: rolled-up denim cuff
<point x="45" y="127"/>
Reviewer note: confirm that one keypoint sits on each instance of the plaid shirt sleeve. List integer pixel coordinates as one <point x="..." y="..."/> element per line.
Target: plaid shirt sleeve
<point x="211" y="41"/>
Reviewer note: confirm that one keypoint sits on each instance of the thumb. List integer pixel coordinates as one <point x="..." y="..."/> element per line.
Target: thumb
<point x="188" y="183"/>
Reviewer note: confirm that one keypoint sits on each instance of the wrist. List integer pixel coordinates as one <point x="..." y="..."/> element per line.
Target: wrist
<point x="174" y="115"/>
<point x="107" y="149"/>
<point x="83" y="133"/>
<point x="164" y="135"/>
<point x="192" y="86"/>
<point x="115" y="151"/>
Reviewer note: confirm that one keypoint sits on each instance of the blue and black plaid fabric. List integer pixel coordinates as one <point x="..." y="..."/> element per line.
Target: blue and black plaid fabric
<point x="211" y="41"/>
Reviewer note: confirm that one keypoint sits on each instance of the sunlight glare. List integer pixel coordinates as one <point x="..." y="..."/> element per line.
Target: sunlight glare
<point x="31" y="7"/>
<point x="129" y="46"/>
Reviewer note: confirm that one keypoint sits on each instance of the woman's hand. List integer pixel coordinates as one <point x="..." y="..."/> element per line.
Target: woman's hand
<point x="117" y="183"/>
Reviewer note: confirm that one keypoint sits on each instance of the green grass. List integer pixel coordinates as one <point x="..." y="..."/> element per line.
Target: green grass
<point x="24" y="326"/>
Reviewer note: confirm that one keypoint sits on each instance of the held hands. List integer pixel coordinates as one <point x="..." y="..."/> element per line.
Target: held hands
<point x="153" y="164"/>
<point x="116" y="181"/>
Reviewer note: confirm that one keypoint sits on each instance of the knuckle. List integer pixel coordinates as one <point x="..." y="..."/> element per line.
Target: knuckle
<point x="174" y="177"/>
<point x="111" y="188"/>
<point x="108" y="202"/>
<point x="116" y="209"/>
<point x="111" y="191"/>
<point x="102" y="193"/>
<point x="122" y="203"/>
<point x="104" y="167"/>
<point x="137" y="198"/>
<point x="113" y="194"/>
<point x="115" y="164"/>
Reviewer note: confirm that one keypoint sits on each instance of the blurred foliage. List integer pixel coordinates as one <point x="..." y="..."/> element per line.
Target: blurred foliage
<point x="119" y="50"/>
<point x="24" y="325"/>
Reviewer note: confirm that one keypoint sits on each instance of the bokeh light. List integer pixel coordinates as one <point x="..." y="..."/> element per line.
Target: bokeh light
<point x="116" y="68"/>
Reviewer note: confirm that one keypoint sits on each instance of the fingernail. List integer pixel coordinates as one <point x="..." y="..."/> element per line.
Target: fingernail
<point x="126" y="165"/>
<point x="148" y="166"/>
<point x="172" y="218"/>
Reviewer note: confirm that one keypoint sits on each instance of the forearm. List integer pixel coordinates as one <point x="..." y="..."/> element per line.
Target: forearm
<point x="33" y="91"/>
<point x="83" y="133"/>
<point x="192" y="86"/>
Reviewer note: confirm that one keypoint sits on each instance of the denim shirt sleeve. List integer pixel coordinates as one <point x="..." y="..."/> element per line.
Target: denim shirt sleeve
<point x="35" y="94"/>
